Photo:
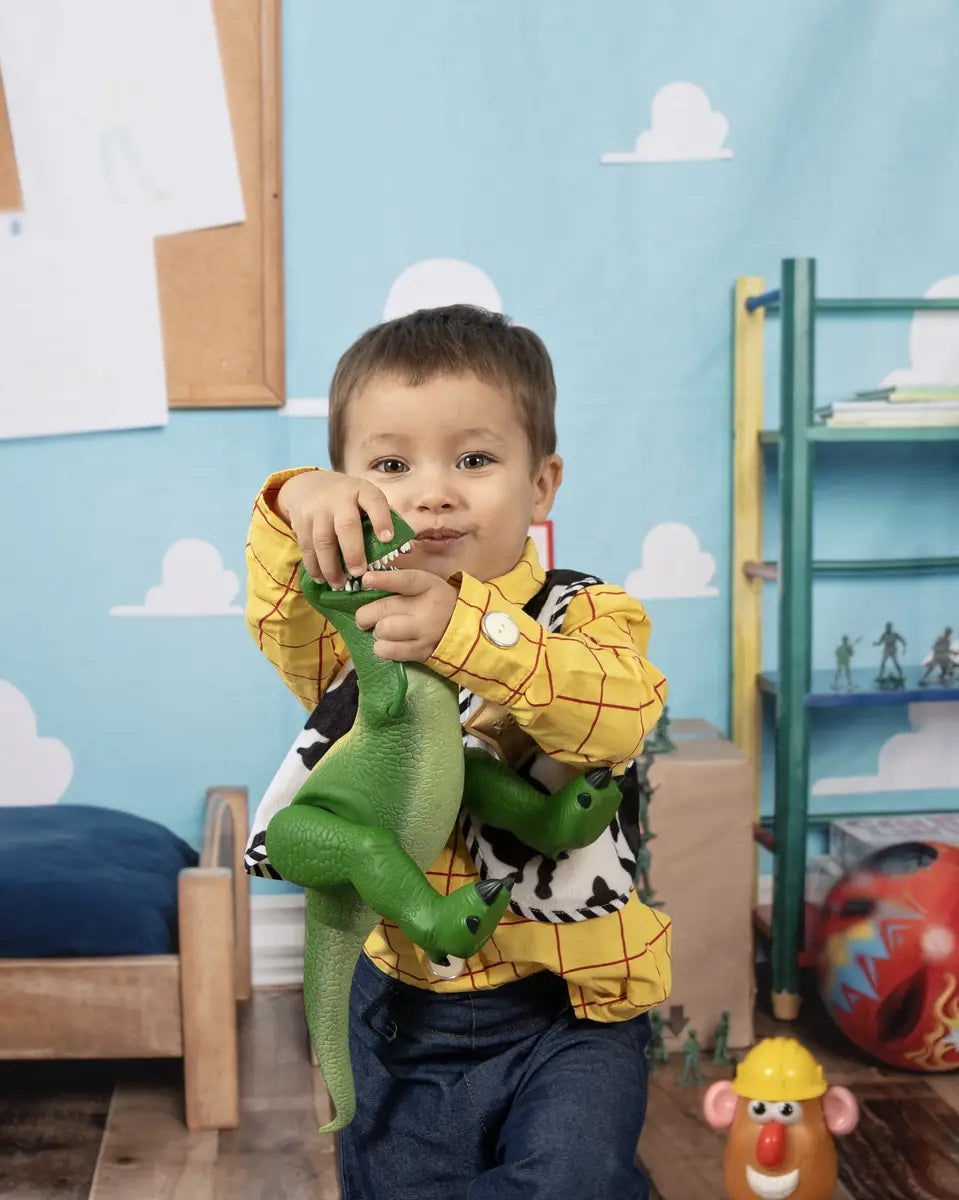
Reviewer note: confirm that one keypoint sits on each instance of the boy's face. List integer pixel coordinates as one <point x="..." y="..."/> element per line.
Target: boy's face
<point x="452" y="458"/>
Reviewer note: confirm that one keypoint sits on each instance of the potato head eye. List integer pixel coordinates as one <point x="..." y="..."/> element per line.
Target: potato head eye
<point x="760" y="1112"/>
<point x="789" y="1113"/>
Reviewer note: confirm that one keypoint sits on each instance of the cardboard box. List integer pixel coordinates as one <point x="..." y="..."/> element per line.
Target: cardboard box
<point x="853" y="838"/>
<point x="702" y="875"/>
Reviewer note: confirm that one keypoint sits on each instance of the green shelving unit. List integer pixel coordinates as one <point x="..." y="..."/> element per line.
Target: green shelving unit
<point x="792" y="687"/>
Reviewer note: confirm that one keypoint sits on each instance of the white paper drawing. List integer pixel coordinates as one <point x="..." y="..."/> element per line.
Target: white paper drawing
<point x="925" y="758"/>
<point x="542" y="534"/>
<point x="33" y="769"/>
<point x="193" y="583"/>
<point x="80" y="338"/>
<point x="684" y="127"/>
<point x="933" y="343"/>
<point x="672" y="565"/>
<point x="436" y="282"/>
<point x="119" y="114"/>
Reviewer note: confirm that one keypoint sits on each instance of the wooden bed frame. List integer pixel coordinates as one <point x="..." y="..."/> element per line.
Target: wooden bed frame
<point x="155" y="1006"/>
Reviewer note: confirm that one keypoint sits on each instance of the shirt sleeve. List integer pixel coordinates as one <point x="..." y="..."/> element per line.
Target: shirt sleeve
<point x="301" y="644"/>
<point x="586" y="695"/>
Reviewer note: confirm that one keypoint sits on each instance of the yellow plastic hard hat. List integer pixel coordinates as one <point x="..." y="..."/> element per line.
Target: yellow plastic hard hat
<point x="779" y="1069"/>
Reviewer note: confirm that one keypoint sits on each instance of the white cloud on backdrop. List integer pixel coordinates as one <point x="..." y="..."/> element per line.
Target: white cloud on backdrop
<point x="684" y="127"/>
<point x="194" y="583"/>
<point x="672" y="565"/>
<point x="33" y="769"/>
<point x="924" y="758"/>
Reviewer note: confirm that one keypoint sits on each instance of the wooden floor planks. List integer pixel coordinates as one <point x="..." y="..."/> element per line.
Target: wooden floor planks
<point x="274" y="1152"/>
<point x="61" y="1134"/>
<point x="52" y="1118"/>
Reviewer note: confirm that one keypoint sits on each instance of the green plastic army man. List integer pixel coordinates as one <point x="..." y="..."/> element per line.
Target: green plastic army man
<point x="656" y="1051"/>
<point x="889" y="640"/>
<point x="644" y="889"/>
<point x="659" y="741"/>
<point x="691" y="1052"/>
<point x="844" y="653"/>
<point x="720" y="1053"/>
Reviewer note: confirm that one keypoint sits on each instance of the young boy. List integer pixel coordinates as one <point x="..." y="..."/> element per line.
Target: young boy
<point x="525" y="1074"/>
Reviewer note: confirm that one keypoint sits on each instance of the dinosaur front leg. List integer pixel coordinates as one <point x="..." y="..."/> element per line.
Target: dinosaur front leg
<point x="314" y="848"/>
<point x="572" y="818"/>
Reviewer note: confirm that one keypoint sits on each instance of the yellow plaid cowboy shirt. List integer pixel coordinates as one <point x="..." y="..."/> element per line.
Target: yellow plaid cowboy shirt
<point x="586" y="695"/>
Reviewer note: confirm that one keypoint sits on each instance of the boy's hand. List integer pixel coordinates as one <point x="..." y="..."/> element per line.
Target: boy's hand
<point x="407" y="626"/>
<point x="323" y="508"/>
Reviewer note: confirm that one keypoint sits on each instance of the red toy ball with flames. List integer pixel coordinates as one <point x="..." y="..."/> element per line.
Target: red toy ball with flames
<point x="888" y="955"/>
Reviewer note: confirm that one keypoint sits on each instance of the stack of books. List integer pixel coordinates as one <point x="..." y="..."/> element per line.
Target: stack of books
<point x="896" y="407"/>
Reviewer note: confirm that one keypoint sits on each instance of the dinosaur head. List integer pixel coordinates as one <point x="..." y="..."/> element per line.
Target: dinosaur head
<point x="380" y="557"/>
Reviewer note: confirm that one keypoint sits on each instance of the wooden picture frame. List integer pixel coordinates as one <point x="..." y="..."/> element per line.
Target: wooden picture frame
<point x="221" y="290"/>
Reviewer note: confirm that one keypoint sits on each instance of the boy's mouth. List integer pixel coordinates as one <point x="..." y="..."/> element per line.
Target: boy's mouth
<point x="438" y="535"/>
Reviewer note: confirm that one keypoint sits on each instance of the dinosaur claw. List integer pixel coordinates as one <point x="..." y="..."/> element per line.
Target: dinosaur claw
<point x="489" y="889"/>
<point x="599" y="777"/>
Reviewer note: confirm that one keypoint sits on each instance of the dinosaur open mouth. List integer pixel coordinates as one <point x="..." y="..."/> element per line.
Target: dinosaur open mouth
<point x="383" y="563"/>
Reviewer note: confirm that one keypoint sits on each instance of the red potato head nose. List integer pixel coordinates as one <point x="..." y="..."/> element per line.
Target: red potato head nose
<point x="771" y="1147"/>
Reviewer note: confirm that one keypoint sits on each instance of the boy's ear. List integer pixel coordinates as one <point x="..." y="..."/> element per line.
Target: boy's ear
<point x="546" y="481"/>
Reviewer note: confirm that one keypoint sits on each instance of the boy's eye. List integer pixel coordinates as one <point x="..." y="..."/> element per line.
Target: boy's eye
<point x="390" y="466"/>
<point x="474" y="460"/>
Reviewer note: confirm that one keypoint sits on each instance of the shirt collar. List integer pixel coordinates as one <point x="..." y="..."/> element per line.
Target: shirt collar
<point x="524" y="580"/>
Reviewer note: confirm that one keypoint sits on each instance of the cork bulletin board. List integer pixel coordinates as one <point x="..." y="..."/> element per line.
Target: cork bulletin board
<point x="221" y="290"/>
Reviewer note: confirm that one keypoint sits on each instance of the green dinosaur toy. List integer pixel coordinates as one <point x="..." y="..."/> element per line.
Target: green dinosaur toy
<point x="378" y="809"/>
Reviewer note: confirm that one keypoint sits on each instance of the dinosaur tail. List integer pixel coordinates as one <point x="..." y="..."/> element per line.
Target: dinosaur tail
<point x="330" y="958"/>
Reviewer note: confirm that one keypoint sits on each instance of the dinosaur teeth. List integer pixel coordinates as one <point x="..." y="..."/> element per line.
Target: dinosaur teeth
<point x="382" y="563"/>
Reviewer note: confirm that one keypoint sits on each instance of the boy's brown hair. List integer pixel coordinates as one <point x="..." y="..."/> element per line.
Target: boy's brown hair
<point x="458" y="339"/>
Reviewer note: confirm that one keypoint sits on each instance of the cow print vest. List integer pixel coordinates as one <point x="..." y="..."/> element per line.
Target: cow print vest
<point x="591" y="882"/>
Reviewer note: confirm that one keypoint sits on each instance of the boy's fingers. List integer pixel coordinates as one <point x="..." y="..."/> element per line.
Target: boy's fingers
<point x="372" y="613"/>
<point x="403" y="582"/>
<point x="311" y="563"/>
<point x="398" y="651"/>
<point x="349" y="533"/>
<point x="327" y="551"/>
<point x="396" y="629"/>
<point x="304" y="539"/>
<point x="375" y="505"/>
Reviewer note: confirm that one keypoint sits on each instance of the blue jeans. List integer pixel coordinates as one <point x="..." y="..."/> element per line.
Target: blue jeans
<point x="490" y="1095"/>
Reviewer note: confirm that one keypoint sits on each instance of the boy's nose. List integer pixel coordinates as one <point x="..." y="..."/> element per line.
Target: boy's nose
<point x="435" y="494"/>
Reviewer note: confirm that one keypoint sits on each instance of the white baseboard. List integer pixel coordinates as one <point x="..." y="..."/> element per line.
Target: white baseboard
<point x="277" y="939"/>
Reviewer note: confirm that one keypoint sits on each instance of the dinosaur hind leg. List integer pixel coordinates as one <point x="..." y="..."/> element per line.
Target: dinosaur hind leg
<point x="314" y="848"/>
<point x="572" y="818"/>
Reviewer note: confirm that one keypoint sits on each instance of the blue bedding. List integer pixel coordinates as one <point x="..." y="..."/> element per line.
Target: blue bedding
<point x="87" y="881"/>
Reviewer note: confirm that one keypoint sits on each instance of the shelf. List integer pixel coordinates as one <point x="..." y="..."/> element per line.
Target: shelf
<point x="861" y="566"/>
<point x="763" y="832"/>
<point x="867" y="694"/>
<point x="771" y="301"/>
<point x="870" y="433"/>
<point x="858" y="566"/>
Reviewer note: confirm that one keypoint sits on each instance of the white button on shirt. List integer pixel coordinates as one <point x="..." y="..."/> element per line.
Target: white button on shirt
<point x="500" y="629"/>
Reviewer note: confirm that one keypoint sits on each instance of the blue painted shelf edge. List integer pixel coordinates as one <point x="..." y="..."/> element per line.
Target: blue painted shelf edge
<point x="867" y="694"/>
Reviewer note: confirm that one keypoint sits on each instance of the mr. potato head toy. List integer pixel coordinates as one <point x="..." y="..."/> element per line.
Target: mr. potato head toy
<point x="781" y="1118"/>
